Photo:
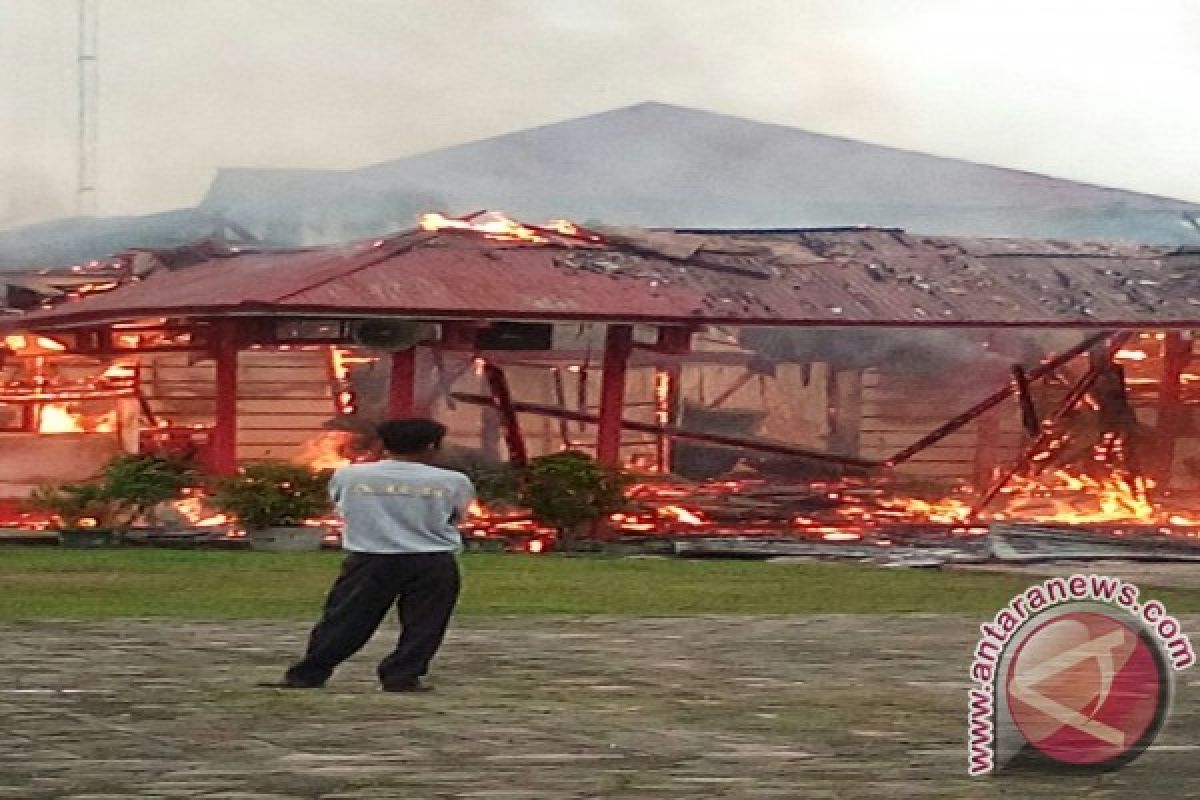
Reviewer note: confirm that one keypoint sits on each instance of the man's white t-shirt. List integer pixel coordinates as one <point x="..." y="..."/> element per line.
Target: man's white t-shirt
<point x="401" y="507"/>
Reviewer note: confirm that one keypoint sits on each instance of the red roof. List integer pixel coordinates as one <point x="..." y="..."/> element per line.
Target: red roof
<point x="858" y="276"/>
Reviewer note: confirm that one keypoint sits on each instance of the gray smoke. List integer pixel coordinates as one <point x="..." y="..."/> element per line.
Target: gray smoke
<point x="327" y="85"/>
<point x="950" y="356"/>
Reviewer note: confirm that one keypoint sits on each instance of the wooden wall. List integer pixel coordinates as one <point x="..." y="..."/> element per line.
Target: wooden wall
<point x="898" y="410"/>
<point x="284" y="397"/>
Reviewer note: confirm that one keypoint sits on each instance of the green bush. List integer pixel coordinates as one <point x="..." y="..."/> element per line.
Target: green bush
<point x="568" y="490"/>
<point x="138" y="483"/>
<point x="72" y="503"/>
<point x="127" y="488"/>
<point x="274" y="494"/>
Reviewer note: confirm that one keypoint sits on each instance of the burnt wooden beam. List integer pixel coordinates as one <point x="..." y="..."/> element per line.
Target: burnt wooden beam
<point x="744" y="443"/>
<point x="992" y="400"/>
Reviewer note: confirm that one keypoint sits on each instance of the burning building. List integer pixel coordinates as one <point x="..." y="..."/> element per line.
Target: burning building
<point x="819" y="380"/>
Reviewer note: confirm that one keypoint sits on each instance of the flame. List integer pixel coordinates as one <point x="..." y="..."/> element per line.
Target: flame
<point x="495" y="225"/>
<point x="18" y="342"/>
<point x="325" y="451"/>
<point x="681" y="514"/>
<point x="195" y="510"/>
<point x="58" y="418"/>
<point x="55" y="418"/>
<point x="1070" y="498"/>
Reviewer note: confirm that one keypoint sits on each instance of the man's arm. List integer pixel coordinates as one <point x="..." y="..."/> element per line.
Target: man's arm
<point x="335" y="487"/>
<point x="462" y="501"/>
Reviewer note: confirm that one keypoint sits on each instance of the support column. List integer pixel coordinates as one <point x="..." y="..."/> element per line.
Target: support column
<point x="1172" y="414"/>
<point x="502" y="402"/>
<point x="618" y="343"/>
<point x="402" y="387"/>
<point x="223" y="447"/>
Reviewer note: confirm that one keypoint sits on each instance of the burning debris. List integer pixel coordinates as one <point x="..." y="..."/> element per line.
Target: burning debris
<point x="1088" y="455"/>
<point x="496" y="226"/>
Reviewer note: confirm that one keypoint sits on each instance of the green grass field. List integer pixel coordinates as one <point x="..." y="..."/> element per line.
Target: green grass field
<point x="42" y="583"/>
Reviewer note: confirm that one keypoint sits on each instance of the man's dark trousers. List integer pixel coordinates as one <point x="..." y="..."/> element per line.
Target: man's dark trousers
<point x="423" y="586"/>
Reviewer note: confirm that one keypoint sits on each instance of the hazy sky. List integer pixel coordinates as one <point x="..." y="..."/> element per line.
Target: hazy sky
<point x="1100" y="91"/>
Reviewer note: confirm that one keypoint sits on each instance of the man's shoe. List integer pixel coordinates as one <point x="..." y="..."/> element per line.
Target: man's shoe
<point x="286" y="684"/>
<point x="410" y="687"/>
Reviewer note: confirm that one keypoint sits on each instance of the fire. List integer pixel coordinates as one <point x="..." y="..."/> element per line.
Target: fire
<point x="325" y="451"/>
<point x="495" y="225"/>
<point x="29" y="345"/>
<point x="58" y="418"/>
<point x="681" y="514"/>
<point x="1069" y="498"/>
<point x="195" y="510"/>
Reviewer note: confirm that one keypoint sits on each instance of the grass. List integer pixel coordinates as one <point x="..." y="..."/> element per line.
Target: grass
<point x="49" y="583"/>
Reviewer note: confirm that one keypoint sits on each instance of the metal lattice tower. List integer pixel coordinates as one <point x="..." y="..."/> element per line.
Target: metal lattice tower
<point x="89" y="106"/>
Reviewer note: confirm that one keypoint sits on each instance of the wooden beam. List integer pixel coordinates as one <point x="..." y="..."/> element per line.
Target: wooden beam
<point x="1172" y="414"/>
<point x="226" y="344"/>
<point x="720" y="439"/>
<point x="618" y="344"/>
<point x="402" y="396"/>
<point x="502" y="401"/>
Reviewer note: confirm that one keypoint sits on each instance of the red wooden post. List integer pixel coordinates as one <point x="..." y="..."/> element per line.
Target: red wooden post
<point x="502" y="401"/>
<point x="618" y="343"/>
<point x="1172" y="414"/>
<point x="225" y="346"/>
<point x="402" y="395"/>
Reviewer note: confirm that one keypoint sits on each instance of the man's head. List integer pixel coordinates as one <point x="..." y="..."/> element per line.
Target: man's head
<point x="411" y="438"/>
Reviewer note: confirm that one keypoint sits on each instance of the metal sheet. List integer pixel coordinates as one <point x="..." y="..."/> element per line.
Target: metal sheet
<point x="841" y="277"/>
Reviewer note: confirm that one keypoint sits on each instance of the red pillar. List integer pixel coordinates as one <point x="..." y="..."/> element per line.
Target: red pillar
<point x="1172" y="414"/>
<point x="402" y="394"/>
<point x="502" y="401"/>
<point x="618" y="343"/>
<point x="226" y="344"/>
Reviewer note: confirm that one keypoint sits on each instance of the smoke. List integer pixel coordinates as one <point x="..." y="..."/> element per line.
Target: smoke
<point x="31" y="195"/>
<point x="187" y="88"/>
<point x="947" y="356"/>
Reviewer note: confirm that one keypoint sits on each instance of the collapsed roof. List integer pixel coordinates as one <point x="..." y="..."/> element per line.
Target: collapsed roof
<point x="839" y="277"/>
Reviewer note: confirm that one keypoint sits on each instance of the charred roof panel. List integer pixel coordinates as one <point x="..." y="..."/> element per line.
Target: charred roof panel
<point x="859" y="277"/>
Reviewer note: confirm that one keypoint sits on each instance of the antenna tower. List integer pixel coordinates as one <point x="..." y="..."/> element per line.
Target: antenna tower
<point x="87" y="60"/>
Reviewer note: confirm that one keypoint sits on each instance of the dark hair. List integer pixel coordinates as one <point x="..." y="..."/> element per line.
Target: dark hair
<point x="410" y="436"/>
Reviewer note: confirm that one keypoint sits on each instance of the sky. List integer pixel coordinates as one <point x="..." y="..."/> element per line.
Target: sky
<point x="1101" y="91"/>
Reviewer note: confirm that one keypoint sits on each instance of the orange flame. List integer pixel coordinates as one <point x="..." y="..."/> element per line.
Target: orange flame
<point x="325" y="451"/>
<point x="495" y="225"/>
<point x="195" y="510"/>
<point x="58" y="418"/>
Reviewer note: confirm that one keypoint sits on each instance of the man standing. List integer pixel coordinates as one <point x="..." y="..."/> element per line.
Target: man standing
<point x="400" y="515"/>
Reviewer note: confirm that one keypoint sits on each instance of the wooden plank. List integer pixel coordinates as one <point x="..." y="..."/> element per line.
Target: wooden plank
<point x="282" y="422"/>
<point x="257" y="452"/>
<point x="283" y="406"/>
<point x="252" y="388"/>
<point x="936" y="470"/>
<point x="277" y="437"/>
<point x="896" y="440"/>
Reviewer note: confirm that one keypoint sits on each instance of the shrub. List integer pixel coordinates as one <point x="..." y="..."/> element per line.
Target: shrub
<point x="568" y="490"/>
<point x="128" y="487"/>
<point x="274" y="495"/>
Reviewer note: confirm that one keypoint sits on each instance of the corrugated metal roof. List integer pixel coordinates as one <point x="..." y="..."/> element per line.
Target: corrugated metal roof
<point x="838" y="277"/>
